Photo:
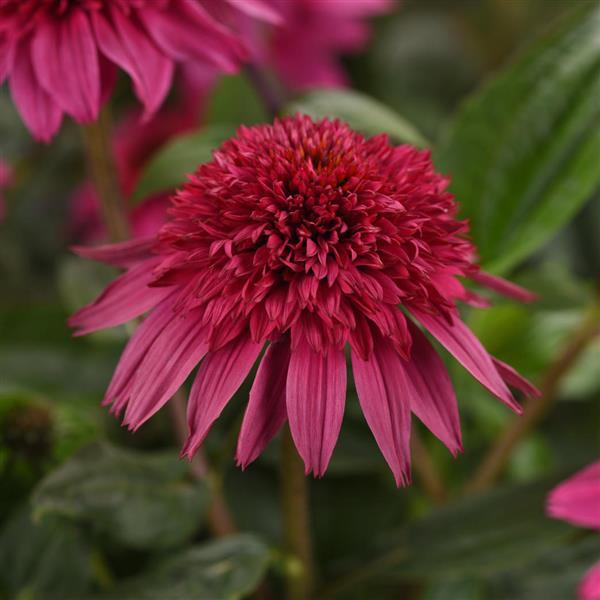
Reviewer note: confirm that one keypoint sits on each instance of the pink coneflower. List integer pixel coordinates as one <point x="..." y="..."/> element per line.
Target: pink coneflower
<point x="302" y="40"/>
<point x="59" y="55"/>
<point x="577" y="501"/>
<point x="310" y="238"/>
<point x="313" y="35"/>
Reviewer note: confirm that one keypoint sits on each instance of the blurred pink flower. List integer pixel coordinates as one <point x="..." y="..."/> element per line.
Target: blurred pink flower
<point x="85" y="218"/>
<point x="308" y="236"/>
<point x="60" y="56"/>
<point x="305" y="50"/>
<point x="302" y="40"/>
<point x="577" y="501"/>
<point x="134" y="142"/>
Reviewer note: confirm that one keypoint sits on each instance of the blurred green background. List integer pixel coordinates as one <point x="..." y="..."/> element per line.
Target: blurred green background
<point x="88" y="510"/>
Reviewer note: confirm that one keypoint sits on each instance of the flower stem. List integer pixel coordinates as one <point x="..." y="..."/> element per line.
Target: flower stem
<point x="268" y="92"/>
<point x="104" y="176"/>
<point x="102" y="169"/>
<point x="535" y="409"/>
<point x="220" y="521"/>
<point x="296" y="522"/>
<point x="427" y="471"/>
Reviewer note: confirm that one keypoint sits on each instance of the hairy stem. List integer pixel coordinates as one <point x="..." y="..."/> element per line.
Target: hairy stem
<point x="296" y="522"/>
<point x="535" y="409"/>
<point x="96" y="137"/>
<point x="101" y="165"/>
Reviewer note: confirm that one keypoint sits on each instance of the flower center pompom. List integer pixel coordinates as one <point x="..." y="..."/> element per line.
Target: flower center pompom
<point x="309" y="227"/>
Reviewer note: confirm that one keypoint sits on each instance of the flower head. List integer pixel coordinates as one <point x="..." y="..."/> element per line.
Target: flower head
<point x="309" y="237"/>
<point x="59" y="55"/>
<point x="577" y="501"/>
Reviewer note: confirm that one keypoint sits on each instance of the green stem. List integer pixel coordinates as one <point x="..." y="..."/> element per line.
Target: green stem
<point x="220" y="520"/>
<point x="96" y="137"/>
<point x="296" y="522"/>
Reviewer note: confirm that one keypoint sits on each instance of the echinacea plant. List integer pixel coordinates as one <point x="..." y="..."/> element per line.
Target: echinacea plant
<point x="307" y="238"/>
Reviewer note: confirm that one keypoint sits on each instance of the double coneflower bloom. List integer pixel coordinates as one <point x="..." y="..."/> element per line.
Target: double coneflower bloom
<point x="311" y="241"/>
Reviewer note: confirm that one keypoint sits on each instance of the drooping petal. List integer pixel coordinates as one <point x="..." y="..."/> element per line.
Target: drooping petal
<point x="186" y="31"/>
<point x="384" y="397"/>
<point x="589" y="588"/>
<point x="460" y="341"/>
<point x="65" y="61"/>
<point x="315" y="397"/>
<point x="7" y="57"/>
<point x="128" y="46"/>
<point x="39" y="111"/>
<point x="220" y="375"/>
<point x="137" y="347"/>
<point x="266" y="411"/>
<point x="577" y="500"/>
<point x="258" y="9"/>
<point x="123" y="254"/>
<point x="126" y="298"/>
<point x="173" y="355"/>
<point x="503" y="287"/>
<point x="513" y="378"/>
<point x="432" y="399"/>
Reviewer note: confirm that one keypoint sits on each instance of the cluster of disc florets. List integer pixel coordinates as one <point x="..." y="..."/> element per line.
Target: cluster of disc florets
<point x="310" y="228"/>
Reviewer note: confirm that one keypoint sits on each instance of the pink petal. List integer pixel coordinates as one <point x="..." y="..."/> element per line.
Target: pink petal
<point x="173" y="355"/>
<point x="577" y="500"/>
<point x="503" y="287"/>
<point x="137" y="347"/>
<point x="432" y="396"/>
<point x="384" y="397"/>
<point x="513" y="378"/>
<point x="40" y="113"/>
<point x="220" y="375"/>
<point x="460" y="341"/>
<point x="126" y="298"/>
<point x="128" y="46"/>
<point x="258" y="9"/>
<point x="7" y="57"/>
<point x="187" y="32"/>
<point x="589" y="588"/>
<point x="65" y="60"/>
<point x="124" y="254"/>
<point x="266" y="411"/>
<point x="316" y="393"/>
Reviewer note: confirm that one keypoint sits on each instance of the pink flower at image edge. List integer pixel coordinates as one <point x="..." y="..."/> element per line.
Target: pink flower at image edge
<point x="577" y="501"/>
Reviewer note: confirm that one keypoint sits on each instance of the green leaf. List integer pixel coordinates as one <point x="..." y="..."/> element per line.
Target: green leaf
<point x="477" y="535"/>
<point x="226" y="569"/>
<point x="235" y="102"/>
<point x="43" y="561"/>
<point x="523" y="151"/>
<point x="168" y="168"/>
<point x="361" y="112"/>
<point x="554" y="576"/>
<point x="139" y="500"/>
